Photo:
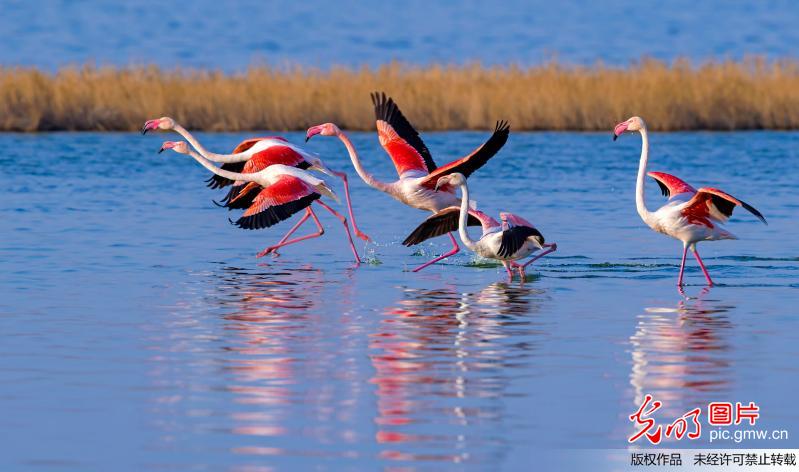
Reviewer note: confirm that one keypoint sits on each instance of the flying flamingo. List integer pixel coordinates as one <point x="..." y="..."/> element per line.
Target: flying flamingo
<point x="690" y="215"/>
<point x="417" y="172"/>
<point x="283" y="191"/>
<point x="514" y="239"/>
<point x="253" y="155"/>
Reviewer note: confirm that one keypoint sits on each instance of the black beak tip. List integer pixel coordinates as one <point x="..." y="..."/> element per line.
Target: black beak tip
<point x="307" y="138"/>
<point x="615" y="136"/>
<point x="160" y="150"/>
<point x="144" y="130"/>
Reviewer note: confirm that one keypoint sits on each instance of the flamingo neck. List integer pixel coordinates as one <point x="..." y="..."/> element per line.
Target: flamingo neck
<point x="640" y="204"/>
<point x="356" y="162"/>
<point x="463" y="218"/>
<point x="223" y="158"/>
<point x="221" y="172"/>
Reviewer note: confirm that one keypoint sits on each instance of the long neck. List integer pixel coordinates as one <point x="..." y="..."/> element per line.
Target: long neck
<point x="221" y="172"/>
<point x="463" y="218"/>
<point x="356" y="162"/>
<point x="223" y="158"/>
<point x="640" y="204"/>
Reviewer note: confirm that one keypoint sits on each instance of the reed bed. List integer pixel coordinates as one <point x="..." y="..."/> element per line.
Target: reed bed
<point x="749" y="94"/>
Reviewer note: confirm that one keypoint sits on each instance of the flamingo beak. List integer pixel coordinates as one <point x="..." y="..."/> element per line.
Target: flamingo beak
<point x="148" y="125"/>
<point x="619" y="129"/>
<point x="312" y="131"/>
<point x="165" y="146"/>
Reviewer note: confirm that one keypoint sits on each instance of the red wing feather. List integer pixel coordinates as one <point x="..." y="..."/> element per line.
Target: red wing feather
<point x="475" y="160"/>
<point x="710" y="203"/>
<point x="398" y="137"/>
<point x="670" y="185"/>
<point x="278" y="202"/>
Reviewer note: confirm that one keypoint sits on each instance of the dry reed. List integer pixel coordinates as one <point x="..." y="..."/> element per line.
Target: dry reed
<point x="751" y="94"/>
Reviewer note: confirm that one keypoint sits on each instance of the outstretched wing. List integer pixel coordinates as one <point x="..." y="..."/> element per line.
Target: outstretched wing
<point x="475" y="160"/>
<point x="400" y="140"/>
<point x="714" y="204"/>
<point x="670" y="185"/>
<point x="259" y="161"/>
<point x="442" y="222"/>
<point x="513" y="239"/>
<point x="216" y="181"/>
<point x="277" y="202"/>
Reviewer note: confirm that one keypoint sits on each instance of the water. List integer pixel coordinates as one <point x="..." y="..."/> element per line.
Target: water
<point x="138" y="331"/>
<point x="211" y="34"/>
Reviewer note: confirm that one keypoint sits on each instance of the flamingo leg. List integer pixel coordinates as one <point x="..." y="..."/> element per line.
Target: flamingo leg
<point x="682" y="265"/>
<point x="358" y="232"/>
<point x="508" y="270"/>
<point x="552" y="248"/>
<point x="702" y="265"/>
<point x="346" y="228"/>
<point x="283" y="242"/>
<point x="453" y="251"/>
<point x="293" y="229"/>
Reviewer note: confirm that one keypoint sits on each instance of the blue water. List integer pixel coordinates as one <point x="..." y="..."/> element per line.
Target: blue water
<point x="233" y="36"/>
<point x="137" y="331"/>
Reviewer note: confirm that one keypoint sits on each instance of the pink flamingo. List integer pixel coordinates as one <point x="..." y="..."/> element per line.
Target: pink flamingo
<point x="690" y="215"/>
<point x="253" y="155"/>
<point x="417" y="172"/>
<point x="284" y="191"/>
<point x="514" y="239"/>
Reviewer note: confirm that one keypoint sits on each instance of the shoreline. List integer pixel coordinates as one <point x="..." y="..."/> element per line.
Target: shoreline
<point x="752" y="94"/>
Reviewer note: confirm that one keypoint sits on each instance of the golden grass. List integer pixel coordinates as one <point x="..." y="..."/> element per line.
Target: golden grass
<point x="752" y="94"/>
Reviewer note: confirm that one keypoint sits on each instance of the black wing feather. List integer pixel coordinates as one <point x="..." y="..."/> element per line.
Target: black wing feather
<point x="388" y="111"/>
<point x="513" y="239"/>
<point x="275" y="214"/>
<point x="441" y="223"/>
<point x="219" y="182"/>
<point x="663" y="189"/>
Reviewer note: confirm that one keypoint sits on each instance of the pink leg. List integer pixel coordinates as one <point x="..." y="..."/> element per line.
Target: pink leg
<point x="292" y="230"/>
<point x="283" y="241"/>
<point x="552" y="248"/>
<point x="358" y="232"/>
<point x="453" y="251"/>
<point x="699" y="260"/>
<point x="346" y="228"/>
<point x="682" y="265"/>
<point x="508" y="270"/>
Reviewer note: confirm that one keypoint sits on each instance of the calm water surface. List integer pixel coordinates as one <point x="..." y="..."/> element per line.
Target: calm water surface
<point x="138" y="331"/>
<point x="232" y="36"/>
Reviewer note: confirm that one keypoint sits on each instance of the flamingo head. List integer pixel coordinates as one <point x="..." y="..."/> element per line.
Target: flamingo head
<point x="164" y="123"/>
<point x="326" y="129"/>
<point x="319" y="166"/>
<point x="454" y="180"/>
<point x="178" y="146"/>
<point x="636" y="123"/>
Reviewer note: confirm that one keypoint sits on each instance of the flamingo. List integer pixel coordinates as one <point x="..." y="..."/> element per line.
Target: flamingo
<point x="690" y="215"/>
<point x="515" y="238"/>
<point x="253" y="155"/>
<point x="417" y="171"/>
<point x="284" y="191"/>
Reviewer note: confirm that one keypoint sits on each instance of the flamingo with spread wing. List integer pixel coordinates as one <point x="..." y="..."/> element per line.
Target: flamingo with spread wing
<point x="418" y="173"/>
<point x="690" y="215"/>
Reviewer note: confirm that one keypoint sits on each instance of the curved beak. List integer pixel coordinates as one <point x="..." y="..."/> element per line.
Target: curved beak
<point x="440" y="182"/>
<point x="312" y="131"/>
<point x="148" y="125"/>
<point x="619" y="129"/>
<point x="165" y="146"/>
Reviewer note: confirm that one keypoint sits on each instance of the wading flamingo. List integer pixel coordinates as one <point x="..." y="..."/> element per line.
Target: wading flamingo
<point x="417" y="171"/>
<point x="281" y="192"/>
<point x="253" y="155"/>
<point x="690" y="215"/>
<point x="514" y="239"/>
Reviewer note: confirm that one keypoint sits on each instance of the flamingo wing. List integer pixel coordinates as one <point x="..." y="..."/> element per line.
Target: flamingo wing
<point x="277" y="202"/>
<point x="711" y="203"/>
<point x="670" y="185"/>
<point x="259" y="161"/>
<point x="513" y="239"/>
<point x="216" y="181"/>
<point x="442" y="222"/>
<point x="475" y="160"/>
<point x="398" y="137"/>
